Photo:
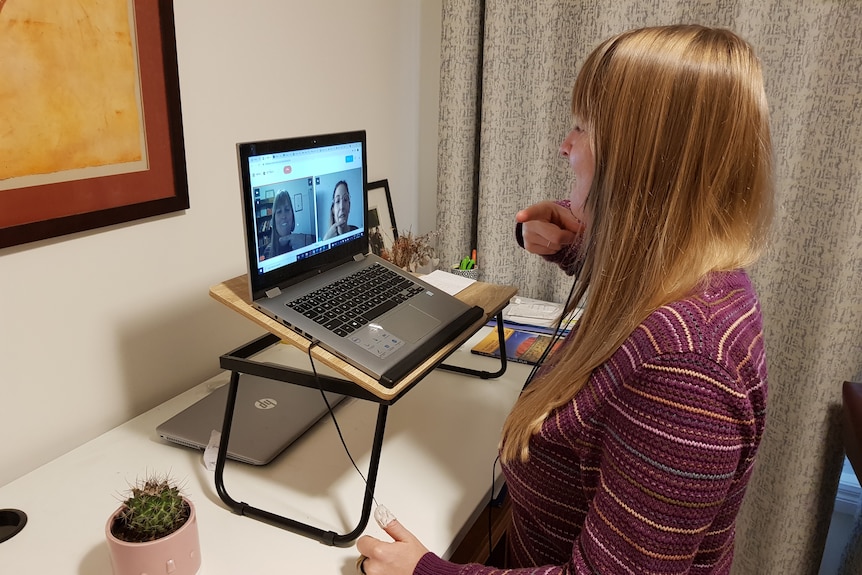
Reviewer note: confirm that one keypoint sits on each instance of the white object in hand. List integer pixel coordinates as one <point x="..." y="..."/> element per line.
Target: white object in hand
<point x="383" y="516"/>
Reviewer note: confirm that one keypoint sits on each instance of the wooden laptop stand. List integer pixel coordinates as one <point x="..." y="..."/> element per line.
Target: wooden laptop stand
<point x="234" y="294"/>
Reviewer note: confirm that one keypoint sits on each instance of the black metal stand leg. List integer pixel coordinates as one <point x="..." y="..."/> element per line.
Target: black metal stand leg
<point x="242" y="508"/>
<point x="481" y="373"/>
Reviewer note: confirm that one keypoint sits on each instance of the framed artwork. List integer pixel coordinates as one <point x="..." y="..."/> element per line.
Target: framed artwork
<point x="96" y="135"/>
<point x="380" y="219"/>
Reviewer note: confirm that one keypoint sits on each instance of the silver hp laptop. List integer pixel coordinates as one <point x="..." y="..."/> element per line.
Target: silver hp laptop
<point x="304" y="204"/>
<point x="269" y="415"/>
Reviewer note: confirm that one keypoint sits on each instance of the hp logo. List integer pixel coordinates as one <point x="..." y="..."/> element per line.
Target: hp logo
<point x="265" y="403"/>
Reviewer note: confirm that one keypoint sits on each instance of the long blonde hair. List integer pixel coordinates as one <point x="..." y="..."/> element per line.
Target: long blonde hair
<point x="679" y="127"/>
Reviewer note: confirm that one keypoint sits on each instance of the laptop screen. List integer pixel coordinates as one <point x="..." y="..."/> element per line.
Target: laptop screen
<point x="304" y="205"/>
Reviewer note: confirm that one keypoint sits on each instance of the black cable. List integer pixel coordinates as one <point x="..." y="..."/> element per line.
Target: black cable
<point x="335" y="421"/>
<point x="490" y="506"/>
<point x="558" y="332"/>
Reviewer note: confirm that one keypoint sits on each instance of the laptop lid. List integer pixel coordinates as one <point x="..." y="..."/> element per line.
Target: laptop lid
<point x="269" y="415"/>
<point x="307" y="176"/>
<point x="304" y="208"/>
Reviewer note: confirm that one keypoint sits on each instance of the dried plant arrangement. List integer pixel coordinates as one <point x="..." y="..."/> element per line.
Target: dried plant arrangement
<point x="413" y="253"/>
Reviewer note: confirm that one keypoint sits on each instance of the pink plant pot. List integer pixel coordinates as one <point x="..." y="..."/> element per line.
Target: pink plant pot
<point x="177" y="554"/>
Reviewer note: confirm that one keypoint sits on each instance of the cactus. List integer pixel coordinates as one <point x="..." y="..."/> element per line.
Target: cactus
<point x="154" y="509"/>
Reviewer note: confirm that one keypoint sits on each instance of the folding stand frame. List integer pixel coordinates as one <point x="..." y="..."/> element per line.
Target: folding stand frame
<point x="237" y="363"/>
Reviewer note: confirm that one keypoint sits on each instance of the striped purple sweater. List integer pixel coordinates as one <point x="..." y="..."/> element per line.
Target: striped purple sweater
<point x="645" y="469"/>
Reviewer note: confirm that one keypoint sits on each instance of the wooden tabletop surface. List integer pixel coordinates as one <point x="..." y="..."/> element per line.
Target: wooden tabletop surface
<point x="492" y="298"/>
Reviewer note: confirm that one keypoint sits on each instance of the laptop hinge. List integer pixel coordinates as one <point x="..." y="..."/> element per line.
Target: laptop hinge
<point x="358" y="257"/>
<point x="274" y="292"/>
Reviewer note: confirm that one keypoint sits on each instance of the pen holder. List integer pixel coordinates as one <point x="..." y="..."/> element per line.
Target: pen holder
<point x="473" y="274"/>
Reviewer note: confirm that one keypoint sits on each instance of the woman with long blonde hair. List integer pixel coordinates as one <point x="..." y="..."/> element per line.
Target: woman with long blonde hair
<point x="631" y="449"/>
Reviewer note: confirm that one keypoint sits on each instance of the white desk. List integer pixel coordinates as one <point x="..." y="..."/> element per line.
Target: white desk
<point x="435" y="476"/>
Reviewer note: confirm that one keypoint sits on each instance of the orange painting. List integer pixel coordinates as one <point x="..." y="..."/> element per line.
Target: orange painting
<point x="69" y="95"/>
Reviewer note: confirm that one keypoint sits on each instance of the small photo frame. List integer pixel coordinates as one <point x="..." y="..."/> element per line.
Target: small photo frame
<point x="380" y="218"/>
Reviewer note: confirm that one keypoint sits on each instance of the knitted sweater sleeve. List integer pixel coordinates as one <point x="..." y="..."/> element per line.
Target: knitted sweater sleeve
<point x="672" y="437"/>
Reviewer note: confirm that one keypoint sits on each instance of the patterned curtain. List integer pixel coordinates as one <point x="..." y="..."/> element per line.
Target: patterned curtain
<point x="506" y="76"/>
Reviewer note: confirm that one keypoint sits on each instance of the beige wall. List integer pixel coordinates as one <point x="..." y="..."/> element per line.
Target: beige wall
<point x="100" y="326"/>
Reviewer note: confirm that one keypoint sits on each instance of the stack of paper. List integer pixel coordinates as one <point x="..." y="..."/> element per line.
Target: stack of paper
<point x="536" y="315"/>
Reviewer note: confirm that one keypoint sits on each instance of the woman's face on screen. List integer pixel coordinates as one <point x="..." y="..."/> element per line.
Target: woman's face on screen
<point x="283" y="217"/>
<point x="340" y="205"/>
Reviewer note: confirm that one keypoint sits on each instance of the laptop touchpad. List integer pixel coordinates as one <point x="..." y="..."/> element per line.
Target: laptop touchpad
<point x="409" y="323"/>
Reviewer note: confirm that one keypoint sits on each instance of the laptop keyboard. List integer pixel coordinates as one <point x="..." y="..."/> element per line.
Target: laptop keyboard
<point x="344" y="306"/>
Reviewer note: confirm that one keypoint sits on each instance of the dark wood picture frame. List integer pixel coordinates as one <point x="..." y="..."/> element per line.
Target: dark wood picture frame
<point x="45" y="211"/>
<point x="380" y="211"/>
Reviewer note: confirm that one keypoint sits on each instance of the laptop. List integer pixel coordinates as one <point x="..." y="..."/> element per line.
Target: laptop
<point x="299" y="262"/>
<point x="269" y="416"/>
